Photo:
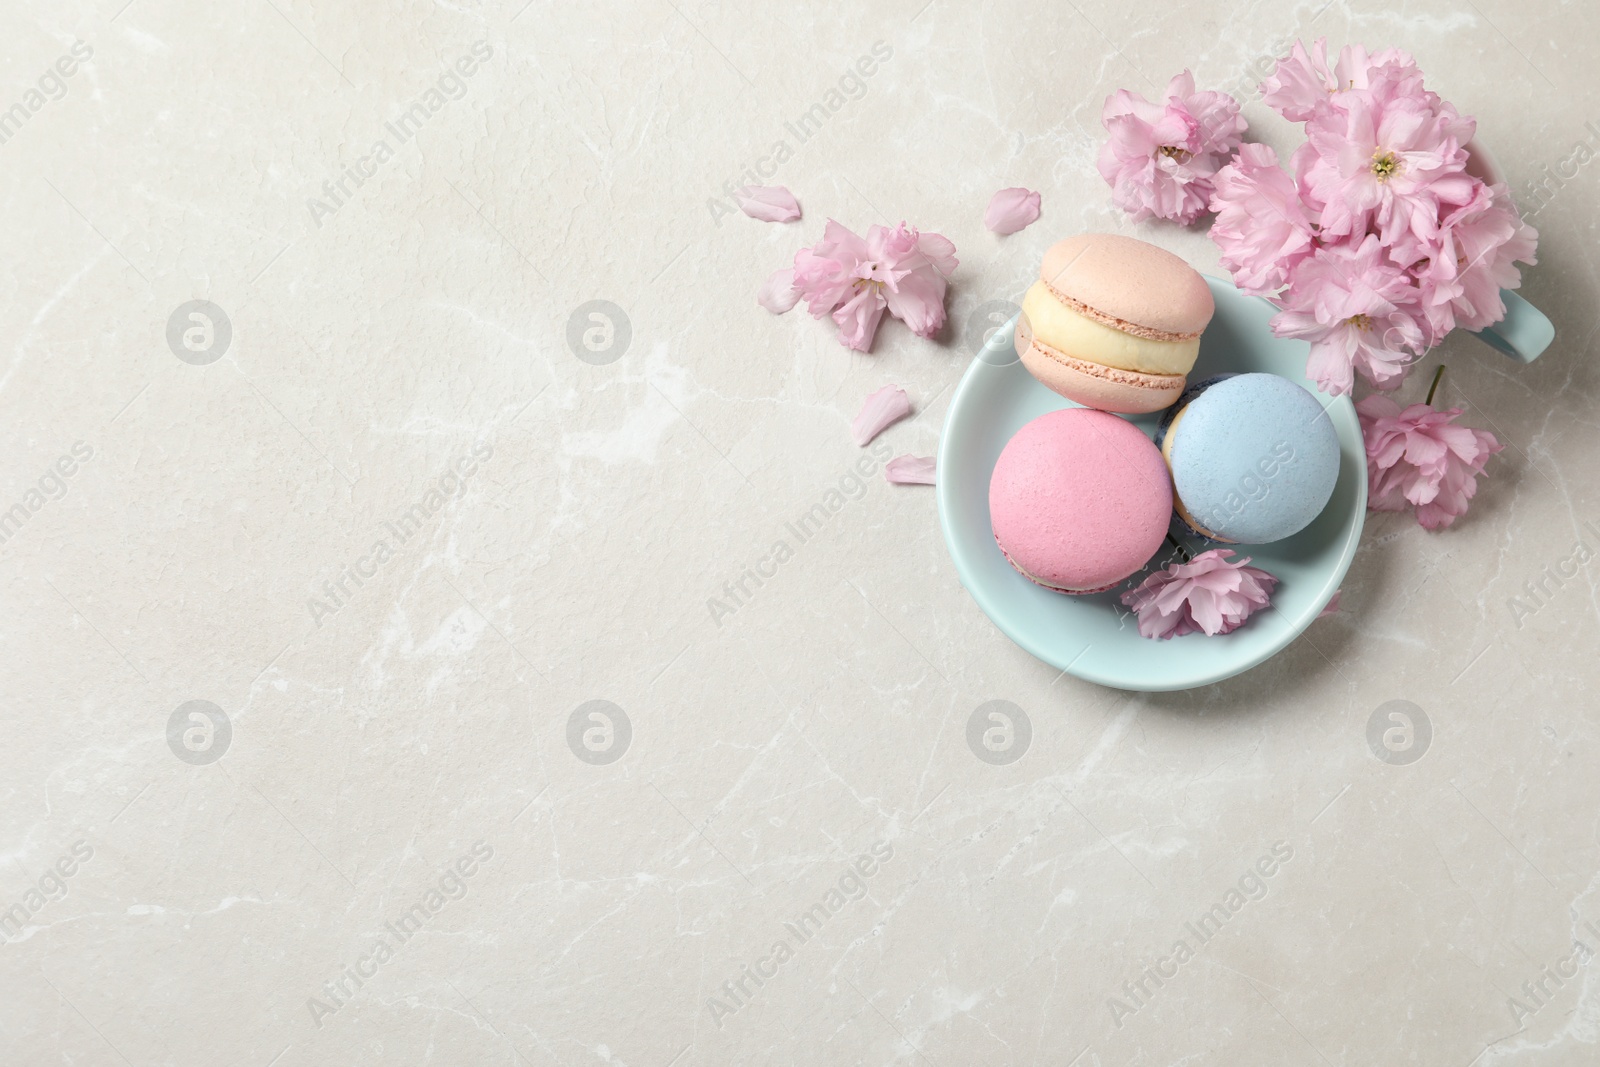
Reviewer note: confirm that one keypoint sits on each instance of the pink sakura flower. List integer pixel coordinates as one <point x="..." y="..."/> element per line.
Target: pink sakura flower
<point x="1304" y="84"/>
<point x="1209" y="595"/>
<point x="835" y="277"/>
<point x="1160" y="158"/>
<point x="856" y="280"/>
<point x="1011" y="210"/>
<point x="1416" y="456"/>
<point x="1384" y="160"/>
<point x="1262" y="228"/>
<point x="1358" y="312"/>
<point x="1379" y="242"/>
<point x="1479" y="246"/>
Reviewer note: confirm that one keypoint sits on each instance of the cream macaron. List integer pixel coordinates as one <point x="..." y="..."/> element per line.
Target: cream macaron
<point x="1113" y="323"/>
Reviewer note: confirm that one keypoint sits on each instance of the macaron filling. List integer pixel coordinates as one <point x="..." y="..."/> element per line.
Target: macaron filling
<point x="1059" y="326"/>
<point x="1108" y="319"/>
<point x="1095" y="385"/>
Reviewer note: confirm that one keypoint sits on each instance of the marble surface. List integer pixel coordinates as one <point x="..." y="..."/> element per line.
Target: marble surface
<point x="396" y="830"/>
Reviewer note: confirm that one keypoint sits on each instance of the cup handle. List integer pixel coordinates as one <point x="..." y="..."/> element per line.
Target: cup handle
<point x="1523" y="334"/>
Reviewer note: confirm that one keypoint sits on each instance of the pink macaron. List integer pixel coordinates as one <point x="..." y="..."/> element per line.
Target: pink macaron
<point x="1079" y="500"/>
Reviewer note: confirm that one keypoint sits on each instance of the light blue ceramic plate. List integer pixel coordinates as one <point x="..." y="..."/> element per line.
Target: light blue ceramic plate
<point x="1094" y="637"/>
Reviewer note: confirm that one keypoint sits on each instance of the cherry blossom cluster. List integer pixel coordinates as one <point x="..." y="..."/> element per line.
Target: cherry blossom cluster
<point x="1376" y="242"/>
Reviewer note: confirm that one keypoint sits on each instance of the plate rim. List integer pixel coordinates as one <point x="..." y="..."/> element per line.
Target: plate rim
<point x="1339" y="407"/>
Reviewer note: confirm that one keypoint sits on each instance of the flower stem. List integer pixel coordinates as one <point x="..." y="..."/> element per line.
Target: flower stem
<point x="1435" y="386"/>
<point x="1181" y="550"/>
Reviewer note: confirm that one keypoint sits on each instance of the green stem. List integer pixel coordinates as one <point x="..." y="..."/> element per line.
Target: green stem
<point x="1435" y="386"/>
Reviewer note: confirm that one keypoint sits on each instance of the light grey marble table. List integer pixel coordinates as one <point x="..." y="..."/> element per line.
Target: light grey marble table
<point x="394" y="508"/>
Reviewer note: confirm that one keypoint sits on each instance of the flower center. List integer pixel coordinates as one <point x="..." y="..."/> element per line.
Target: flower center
<point x="1360" y="322"/>
<point x="1172" y="151"/>
<point x="1385" y="165"/>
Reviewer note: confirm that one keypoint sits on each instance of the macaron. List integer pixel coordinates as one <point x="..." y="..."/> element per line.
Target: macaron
<point x="1079" y="500"/>
<point x="1254" y="458"/>
<point x="1113" y="323"/>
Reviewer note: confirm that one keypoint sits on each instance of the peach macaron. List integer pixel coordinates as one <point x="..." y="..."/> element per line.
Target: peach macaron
<point x="1113" y="323"/>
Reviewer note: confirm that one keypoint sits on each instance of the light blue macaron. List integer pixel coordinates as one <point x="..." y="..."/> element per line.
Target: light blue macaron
<point x="1254" y="457"/>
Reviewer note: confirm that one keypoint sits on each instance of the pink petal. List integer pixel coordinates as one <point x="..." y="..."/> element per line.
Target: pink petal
<point x="914" y="268"/>
<point x="909" y="470"/>
<point x="1011" y="210"/>
<point x="918" y="301"/>
<point x="769" y="203"/>
<point x="1203" y="610"/>
<point x="778" y="294"/>
<point x="858" y="319"/>
<point x="882" y="409"/>
<point x="1333" y="605"/>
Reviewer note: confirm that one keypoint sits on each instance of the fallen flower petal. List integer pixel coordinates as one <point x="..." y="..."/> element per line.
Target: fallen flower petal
<point x="1333" y="605"/>
<point x="1011" y="210"/>
<point x="778" y="294"/>
<point x="882" y="409"/>
<point x="909" y="470"/>
<point x="1209" y="594"/>
<point x="769" y="203"/>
